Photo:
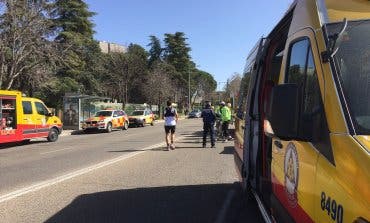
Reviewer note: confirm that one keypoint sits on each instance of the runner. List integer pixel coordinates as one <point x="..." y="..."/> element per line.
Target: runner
<point x="170" y="121"/>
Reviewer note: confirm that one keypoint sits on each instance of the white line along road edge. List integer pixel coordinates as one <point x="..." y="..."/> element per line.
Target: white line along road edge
<point x="47" y="183"/>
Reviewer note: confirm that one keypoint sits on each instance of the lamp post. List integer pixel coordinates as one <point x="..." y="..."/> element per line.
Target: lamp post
<point x="189" y="98"/>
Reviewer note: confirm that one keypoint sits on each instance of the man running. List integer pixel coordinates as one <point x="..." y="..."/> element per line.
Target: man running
<point x="170" y="120"/>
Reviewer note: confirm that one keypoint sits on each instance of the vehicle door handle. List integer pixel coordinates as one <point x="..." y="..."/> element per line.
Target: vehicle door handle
<point x="278" y="144"/>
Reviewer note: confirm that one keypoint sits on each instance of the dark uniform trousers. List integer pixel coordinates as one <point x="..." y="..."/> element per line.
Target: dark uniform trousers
<point x="209" y="128"/>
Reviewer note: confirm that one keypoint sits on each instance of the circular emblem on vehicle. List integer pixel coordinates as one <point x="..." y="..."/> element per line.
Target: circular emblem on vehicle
<point x="291" y="172"/>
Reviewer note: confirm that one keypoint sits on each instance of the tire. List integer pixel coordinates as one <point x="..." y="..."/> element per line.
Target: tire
<point x="53" y="135"/>
<point x="152" y="123"/>
<point x="26" y="141"/>
<point x="109" y="127"/>
<point x="125" y="126"/>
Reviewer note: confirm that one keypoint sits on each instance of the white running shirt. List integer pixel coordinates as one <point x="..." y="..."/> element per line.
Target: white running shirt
<point x="170" y="120"/>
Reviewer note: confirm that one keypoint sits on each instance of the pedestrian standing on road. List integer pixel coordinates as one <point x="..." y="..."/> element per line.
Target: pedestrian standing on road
<point x="209" y="118"/>
<point x="170" y="120"/>
<point x="225" y="118"/>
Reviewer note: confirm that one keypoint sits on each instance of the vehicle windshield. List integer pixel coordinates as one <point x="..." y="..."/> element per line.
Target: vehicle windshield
<point x="103" y="113"/>
<point x="135" y="113"/>
<point x="352" y="62"/>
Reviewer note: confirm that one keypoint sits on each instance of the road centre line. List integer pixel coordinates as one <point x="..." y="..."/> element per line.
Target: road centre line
<point x="47" y="183"/>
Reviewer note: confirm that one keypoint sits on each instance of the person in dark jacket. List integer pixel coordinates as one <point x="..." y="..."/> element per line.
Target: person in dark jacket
<point x="209" y="118"/>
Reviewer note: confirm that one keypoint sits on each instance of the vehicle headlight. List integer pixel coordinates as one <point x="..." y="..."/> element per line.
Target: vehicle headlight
<point x="101" y="121"/>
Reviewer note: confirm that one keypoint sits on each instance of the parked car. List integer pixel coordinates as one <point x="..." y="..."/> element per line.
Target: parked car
<point x="195" y="113"/>
<point x="107" y="120"/>
<point x="141" y="117"/>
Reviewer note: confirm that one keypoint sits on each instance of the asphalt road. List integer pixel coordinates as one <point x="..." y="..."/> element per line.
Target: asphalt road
<point x="124" y="176"/>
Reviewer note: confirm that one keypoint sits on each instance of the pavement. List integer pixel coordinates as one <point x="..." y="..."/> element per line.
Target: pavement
<point x="120" y="177"/>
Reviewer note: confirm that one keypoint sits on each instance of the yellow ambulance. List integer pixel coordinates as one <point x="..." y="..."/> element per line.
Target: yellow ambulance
<point x="25" y="118"/>
<point x="302" y="145"/>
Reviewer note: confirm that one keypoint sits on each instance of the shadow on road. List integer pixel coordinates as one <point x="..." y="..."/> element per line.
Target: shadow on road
<point x="228" y="150"/>
<point x="192" y="203"/>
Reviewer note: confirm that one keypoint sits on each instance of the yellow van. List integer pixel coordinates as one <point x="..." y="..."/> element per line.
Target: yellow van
<point x="24" y="118"/>
<point x="302" y="143"/>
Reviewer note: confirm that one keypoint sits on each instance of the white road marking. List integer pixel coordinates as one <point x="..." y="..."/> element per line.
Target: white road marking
<point x="222" y="214"/>
<point x="53" y="151"/>
<point x="47" y="183"/>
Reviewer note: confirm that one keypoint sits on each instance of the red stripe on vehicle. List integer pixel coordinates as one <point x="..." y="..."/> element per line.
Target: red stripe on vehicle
<point x="295" y="211"/>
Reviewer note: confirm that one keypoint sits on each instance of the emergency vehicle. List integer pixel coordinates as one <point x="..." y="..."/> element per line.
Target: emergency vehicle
<point x="24" y="118"/>
<point x="302" y="144"/>
<point x="107" y="120"/>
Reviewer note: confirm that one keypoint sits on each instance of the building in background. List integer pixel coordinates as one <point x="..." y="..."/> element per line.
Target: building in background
<point x="107" y="47"/>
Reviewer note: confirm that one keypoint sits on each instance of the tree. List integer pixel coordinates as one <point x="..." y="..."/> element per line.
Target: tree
<point x="115" y="79"/>
<point x="176" y="53"/>
<point x="137" y="72"/>
<point x="80" y="65"/>
<point x="125" y="74"/>
<point x="203" y="85"/>
<point x="155" y="51"/>
<point x="160" y="83"/>
<point x="233" y="86"/>
<point x="26" y="54"/>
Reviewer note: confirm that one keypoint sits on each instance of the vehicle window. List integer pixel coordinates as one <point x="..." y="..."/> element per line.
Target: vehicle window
<point x="115" y="114"/>
<point x="302" y="71"/>
<point x="103" y="113"/>
<point x="297" y="63"/>
<point x="41" y="109"/>
<point x="244" y="86"/>
<point x="27" y="107"/>
<point x="353" y="71"/>
<point x="134" y="113"/>
<point x="312" y="98"/>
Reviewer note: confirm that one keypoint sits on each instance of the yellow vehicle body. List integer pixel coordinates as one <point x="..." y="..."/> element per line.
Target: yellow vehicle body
<point x="24" y="118"/>
<point x="308" y="180"/>
<point x="141" y="117"/>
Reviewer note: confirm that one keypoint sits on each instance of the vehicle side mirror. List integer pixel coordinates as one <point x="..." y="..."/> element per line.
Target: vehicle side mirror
<point x="49" y="114"/>
<point x="284" y="111"/>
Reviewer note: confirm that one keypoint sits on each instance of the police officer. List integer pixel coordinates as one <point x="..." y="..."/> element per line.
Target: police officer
<point x="209" y="118"/>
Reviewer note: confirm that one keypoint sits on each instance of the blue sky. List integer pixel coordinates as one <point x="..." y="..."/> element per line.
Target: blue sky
<point x="220" y="32"/>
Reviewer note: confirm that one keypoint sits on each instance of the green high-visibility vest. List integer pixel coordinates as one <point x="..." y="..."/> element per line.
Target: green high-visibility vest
<point x="225" y="114"/>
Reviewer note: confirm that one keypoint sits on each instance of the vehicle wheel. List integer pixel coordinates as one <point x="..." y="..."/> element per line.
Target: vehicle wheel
<point x="152" y="123"/>
<point x="125" y="126"/>
<point x="53" y="135"/>
<point x="109" y="127"/>
<point x="25" y="141"/>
